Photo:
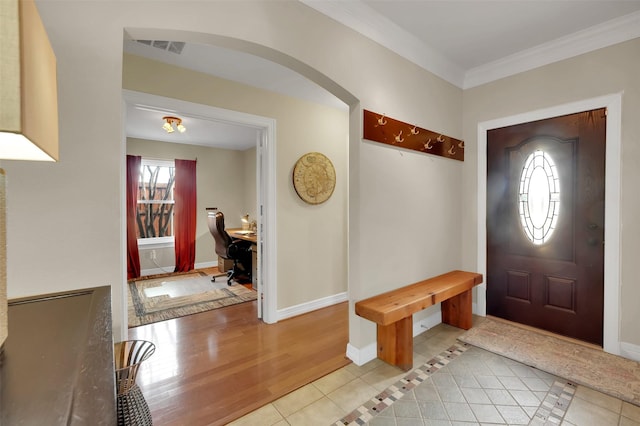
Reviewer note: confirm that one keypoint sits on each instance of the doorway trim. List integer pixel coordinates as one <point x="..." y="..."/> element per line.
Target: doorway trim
<point x="265" y="192"/>
<point x="613" y="103"/>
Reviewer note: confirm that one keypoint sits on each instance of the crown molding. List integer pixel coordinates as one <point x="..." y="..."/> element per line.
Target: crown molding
<point x="359" y="17"/>
<point x="597" y="37"/>
<point x="362" y="19"/>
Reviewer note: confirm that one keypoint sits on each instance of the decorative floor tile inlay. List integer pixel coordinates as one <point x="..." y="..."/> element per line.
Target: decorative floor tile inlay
<point x="377" y="404"/>
<point x="544" y="400"/>
<point x="555" y="405"/>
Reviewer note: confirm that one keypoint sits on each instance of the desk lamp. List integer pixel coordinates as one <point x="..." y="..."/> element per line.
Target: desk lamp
<point x="245" y="222"/>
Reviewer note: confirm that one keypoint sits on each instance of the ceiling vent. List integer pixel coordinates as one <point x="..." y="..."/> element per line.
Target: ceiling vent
<point x="169" y="46"/>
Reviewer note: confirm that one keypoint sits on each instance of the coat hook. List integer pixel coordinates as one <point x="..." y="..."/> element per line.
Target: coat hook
<point x="440" y="138"/>
<point x="461" y="144"/>
<point x="399" y="137"/>
<point x="427" y="144"/>
<point x="414" y="131"/>
<point x="451" y="151"/>
<point x="381" y="121"/>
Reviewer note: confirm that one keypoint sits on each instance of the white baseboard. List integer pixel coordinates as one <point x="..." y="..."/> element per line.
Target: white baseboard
<point x="425" y="324"/>
<point x="362" y="356"/>
<point x="370" y="352"/>
<point x="303" y="308"/>
<point x="203" y="265"/>
<point x="153" y="271"/>
<point x="630" y="351"/>
<point x="171" y="268"/>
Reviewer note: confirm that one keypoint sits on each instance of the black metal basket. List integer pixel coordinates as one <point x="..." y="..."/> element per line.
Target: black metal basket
<point x="132" y="407"/>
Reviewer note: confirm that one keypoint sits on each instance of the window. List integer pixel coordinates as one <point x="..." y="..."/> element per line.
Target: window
<point x="154" y="217"/>
<point x="539" y="197"/>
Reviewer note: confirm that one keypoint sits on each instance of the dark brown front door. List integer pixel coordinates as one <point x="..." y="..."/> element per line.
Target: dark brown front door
<point x="545" y="224"/>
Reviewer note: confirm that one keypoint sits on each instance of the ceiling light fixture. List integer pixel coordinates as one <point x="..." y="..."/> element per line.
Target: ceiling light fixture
<point x="170" y="121"/>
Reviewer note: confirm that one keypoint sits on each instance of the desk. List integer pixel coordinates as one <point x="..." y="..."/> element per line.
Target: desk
<point x="238" y="233"/>
<point x="252" y="237"/>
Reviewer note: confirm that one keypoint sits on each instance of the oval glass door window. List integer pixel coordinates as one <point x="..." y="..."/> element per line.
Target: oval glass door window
<point x="539" y="197"/>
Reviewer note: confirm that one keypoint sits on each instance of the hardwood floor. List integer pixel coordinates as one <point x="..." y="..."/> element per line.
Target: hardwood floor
<point x="214" y="367"/>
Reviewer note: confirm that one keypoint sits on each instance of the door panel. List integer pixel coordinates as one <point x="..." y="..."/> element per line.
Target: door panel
<point x="545" y="224"/>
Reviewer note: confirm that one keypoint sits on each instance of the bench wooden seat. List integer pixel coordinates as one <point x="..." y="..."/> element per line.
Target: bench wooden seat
<point x="393" y="311"/>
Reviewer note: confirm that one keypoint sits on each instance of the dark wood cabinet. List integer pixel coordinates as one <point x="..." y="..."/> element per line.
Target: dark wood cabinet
<point x="57" y="363"/>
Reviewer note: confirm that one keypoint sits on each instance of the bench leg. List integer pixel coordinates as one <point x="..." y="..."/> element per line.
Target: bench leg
<point x="457" y="310"/>
<point x="395" y="343"/>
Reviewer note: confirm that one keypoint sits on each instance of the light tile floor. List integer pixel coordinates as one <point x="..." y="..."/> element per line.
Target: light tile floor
<point x="475" y="388"/>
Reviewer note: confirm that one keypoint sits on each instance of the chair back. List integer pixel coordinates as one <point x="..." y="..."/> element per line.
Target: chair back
<point x="220" y="236"/>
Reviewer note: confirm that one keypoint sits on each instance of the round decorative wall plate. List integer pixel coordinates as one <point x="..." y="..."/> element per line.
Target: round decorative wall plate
<point x="314" y="178"/>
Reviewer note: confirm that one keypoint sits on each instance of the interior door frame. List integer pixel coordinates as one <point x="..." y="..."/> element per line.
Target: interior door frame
<point x="613" y="103"/>
<point x="267" y="240"/>
<point x="265" y="188"/>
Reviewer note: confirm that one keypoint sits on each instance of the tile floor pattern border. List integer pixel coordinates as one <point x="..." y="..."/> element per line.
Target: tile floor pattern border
<point x="368" y="410"/>
<point x="555" y="405"/>
<point x="550" y="412"/>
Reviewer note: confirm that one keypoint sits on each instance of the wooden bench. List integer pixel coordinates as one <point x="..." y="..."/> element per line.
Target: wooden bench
<point x="393" y="311"/>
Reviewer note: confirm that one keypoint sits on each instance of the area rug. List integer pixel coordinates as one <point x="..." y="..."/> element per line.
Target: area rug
<point x="168" y="297"/>
<point x="610" y="374"/>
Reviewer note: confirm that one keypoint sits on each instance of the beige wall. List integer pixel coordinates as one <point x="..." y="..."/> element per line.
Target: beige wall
<point x="319" y="231"/>
<point x="603" y="72"/>
<point x="215" y="189"/>
<point x="405" y="208"/>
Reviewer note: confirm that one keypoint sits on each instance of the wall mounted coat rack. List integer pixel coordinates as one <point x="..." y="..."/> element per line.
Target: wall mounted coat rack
<point x="379" y="128"/>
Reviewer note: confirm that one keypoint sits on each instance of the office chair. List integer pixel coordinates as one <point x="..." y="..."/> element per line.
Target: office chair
<point x="238" y="251"/>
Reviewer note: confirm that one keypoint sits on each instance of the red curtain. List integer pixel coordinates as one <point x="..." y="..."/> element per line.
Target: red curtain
<point x="185" y="215"/>
<point x="133" y="257"/>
